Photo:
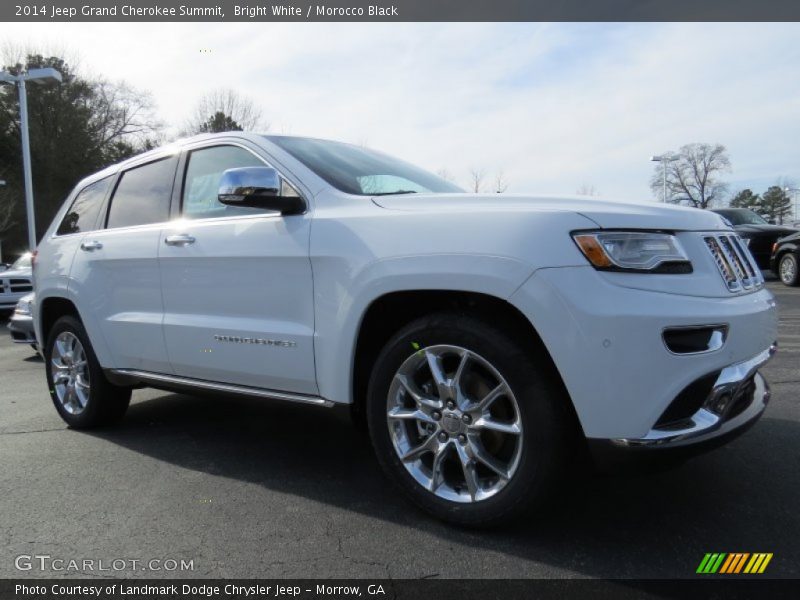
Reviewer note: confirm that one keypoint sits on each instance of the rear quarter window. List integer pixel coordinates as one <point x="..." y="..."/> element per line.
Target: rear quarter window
<point x="82" y="215"/>
<point x="143" y="194"/>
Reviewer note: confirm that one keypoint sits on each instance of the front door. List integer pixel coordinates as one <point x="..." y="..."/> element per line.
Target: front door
<point x="237" y="288"/>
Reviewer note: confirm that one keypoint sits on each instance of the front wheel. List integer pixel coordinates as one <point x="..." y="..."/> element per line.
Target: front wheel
<point x="788" y="271"/>
<point x="466" y="419"/>
<point x="80" y="391"/>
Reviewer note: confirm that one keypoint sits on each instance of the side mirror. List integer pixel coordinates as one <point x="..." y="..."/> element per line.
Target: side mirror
<point x="259" y="187"/>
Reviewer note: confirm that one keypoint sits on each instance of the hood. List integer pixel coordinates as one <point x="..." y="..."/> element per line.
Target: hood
<point x="21" y="273"/>
<point x="779" y="230"/>
<point x="606" y="214"/>
<point x="792" y="237"/>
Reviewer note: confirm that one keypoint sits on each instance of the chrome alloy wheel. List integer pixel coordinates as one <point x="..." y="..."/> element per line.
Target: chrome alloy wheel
<point x="70" y="373"/>
<point x="787" y="269"/>
<point x="454" y="423"/>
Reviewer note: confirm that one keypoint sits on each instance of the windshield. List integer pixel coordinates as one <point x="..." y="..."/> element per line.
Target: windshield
<point x="361" y="171"/>
<point x="743" y="216"/>
<point x="23" y="262"/>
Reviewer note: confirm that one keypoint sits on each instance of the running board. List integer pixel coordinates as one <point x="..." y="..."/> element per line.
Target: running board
<point x="186" y="383"/>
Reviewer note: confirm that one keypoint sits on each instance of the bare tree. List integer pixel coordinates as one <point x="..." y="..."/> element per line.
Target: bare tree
<point x="227" y="109"/>
<point x="500" y="182"/>
<point x="122" y="113"/>
<point x="446" y="175"/>
<point x="587" y="189"/>
<point x="693" y="179"/>
<point x="476" y="177"/>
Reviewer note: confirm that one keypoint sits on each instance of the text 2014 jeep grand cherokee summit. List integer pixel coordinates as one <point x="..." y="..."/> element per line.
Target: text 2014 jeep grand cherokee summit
<point x="477" y="335"/>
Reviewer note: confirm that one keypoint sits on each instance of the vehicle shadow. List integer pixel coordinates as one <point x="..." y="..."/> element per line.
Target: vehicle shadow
<point x="655" y="524"/>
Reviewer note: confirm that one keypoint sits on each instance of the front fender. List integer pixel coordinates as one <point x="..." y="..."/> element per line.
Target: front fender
<point x="340" y="307"/>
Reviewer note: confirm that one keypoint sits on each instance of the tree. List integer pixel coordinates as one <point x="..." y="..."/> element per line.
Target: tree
<point x="587" y="189"/>
<point x="500" y="182"/>
<point x="76" y="128"/>
<point x="7" y="210"/>
<point x="746" y="199"/>
<point x="224" y="110"/>
<point x="476" y="177"/>
<point x="693" y="179"/>
<point x="218" y="123"/>
<point x="776" y="204"/>
<point x="446" y="175"/>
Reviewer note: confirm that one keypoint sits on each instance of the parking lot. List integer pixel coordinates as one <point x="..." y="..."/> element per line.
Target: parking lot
<point x="248" y="488"/>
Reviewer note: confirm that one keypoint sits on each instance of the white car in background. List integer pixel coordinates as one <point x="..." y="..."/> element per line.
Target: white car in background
<point x="481" y="338"/>
<point x="16" y="282"/>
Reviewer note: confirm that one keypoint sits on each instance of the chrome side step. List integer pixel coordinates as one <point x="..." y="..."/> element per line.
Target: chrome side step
<point x="174" y="381"/>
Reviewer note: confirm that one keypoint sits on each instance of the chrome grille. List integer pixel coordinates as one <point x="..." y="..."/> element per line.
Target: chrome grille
<point x="734" y="261"/>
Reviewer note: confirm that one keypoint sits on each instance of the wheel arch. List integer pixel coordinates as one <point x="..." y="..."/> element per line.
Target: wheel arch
<point x="388" y="313"/>
<point x="53" y="308"/>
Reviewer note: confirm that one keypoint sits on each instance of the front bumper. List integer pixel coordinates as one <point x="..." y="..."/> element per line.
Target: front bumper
<point x="606" y="340"/>
<point x="737" y="399"/>
<point x="21" y="328"/>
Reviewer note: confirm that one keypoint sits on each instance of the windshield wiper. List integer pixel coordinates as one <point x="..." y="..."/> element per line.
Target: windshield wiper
<point x="397" y="192"/>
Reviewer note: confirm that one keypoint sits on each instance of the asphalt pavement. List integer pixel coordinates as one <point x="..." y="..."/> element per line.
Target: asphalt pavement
<point x="249" y="488"/>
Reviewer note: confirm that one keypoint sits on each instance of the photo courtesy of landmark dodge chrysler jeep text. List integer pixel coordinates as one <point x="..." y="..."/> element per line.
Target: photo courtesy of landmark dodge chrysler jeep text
<point x="480" y="337"/>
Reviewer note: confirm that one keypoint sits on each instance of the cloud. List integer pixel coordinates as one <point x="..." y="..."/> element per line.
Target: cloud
<point x="553" y="105"/>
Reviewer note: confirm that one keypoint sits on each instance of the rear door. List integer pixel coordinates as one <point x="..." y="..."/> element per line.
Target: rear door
<point x="237" y="288"/>
<point x="116" y="274"/>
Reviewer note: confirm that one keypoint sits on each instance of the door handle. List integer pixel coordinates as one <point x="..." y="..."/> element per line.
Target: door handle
<point x="179" y="240"/>
<point x="91" y="246"/>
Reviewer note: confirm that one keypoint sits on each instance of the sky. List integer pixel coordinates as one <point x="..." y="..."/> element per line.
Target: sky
<point x="554" y="106"/>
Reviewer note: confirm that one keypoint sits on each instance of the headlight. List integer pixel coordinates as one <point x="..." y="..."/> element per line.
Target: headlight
<point x="23" y="309"/>
<point x="638" y="251"/>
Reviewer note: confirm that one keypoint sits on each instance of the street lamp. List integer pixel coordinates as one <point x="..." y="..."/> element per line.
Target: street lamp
<point x="38" y="76"/>
<point x="794" y="191"/>
<point x="665" y="159"/>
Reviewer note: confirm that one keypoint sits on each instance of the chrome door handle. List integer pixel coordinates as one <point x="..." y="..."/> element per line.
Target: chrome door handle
<point x="91" y="246"/>
<point x="179" y="240"/>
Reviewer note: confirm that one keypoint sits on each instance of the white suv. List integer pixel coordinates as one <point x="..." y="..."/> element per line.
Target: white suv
<point x="480" y="338"/>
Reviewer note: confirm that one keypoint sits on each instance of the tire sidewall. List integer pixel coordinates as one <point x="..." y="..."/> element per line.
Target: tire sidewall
<point x="535" y="396"/>
<point x="90" y="413"/>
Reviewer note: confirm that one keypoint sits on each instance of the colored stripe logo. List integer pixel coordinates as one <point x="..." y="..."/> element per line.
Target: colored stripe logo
<point x="734" y="563"/>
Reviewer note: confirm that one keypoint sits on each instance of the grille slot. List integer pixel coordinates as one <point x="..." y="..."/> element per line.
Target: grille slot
<point x="19" y="285"/>
<point x="734" y="261"/>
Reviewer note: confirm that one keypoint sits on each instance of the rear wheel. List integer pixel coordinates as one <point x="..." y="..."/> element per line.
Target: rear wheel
<point x="80" y="391"/>
<point x="466" y="420"/>
<point x="787" y="270"/>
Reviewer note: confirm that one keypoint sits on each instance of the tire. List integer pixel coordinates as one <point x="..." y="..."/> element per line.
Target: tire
<point x="788" y="271"/>
<point x="529" y="400"/>
<point x="92" y="403"/>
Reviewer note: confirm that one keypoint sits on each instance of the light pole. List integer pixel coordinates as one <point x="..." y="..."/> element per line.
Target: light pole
<point x="794" y="192"/>
<point x="664" y="159"/>
<point x="38" y="76"/>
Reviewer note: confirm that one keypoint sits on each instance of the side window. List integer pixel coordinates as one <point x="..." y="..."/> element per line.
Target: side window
<point x="82" y="215"/>
<point x="143" y="194"/>
<point x="203" y="174"/>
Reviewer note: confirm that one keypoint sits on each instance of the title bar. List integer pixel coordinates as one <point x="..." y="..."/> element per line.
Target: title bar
<point x="401" y="10"/>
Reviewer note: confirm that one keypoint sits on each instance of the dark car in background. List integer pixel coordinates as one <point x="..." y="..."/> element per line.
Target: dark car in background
<point x="757" y="232"/>
<point x="786" y="258"/>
